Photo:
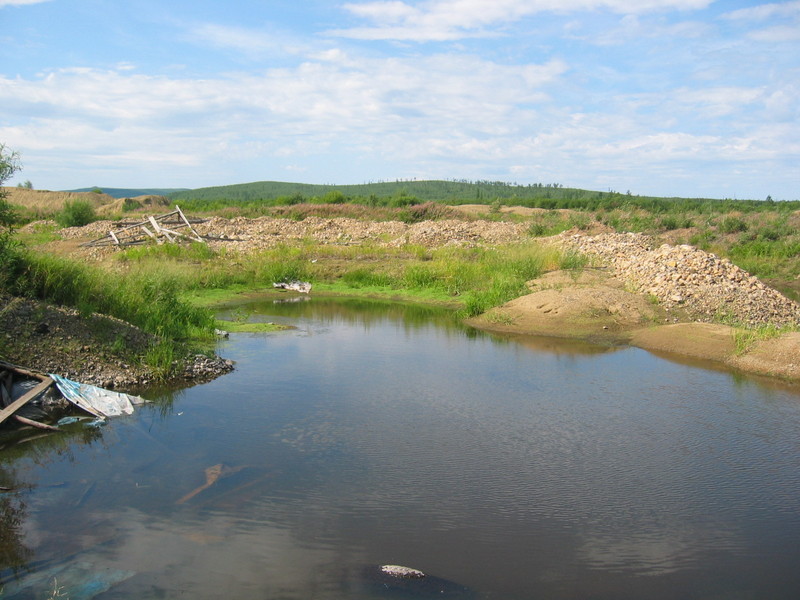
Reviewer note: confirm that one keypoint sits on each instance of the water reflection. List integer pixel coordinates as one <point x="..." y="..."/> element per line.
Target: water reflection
<point x="511" y="470"/>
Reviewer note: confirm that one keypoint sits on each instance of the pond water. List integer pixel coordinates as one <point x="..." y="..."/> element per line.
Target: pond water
<point x="384" y="434"/>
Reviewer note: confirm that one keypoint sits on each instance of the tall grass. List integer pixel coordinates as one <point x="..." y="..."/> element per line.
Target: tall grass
<point x="147" y="299"/>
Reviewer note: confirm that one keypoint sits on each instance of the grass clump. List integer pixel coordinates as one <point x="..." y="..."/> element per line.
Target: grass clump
<point x="745" y="338"/>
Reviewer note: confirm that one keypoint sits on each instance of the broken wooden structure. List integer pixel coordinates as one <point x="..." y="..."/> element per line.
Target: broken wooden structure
<point x="20" y="386"/>
<point x="169" y="227"/>
<point x="8" y="376"/>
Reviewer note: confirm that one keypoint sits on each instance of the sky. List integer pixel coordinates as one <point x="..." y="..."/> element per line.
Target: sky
<point x="689" y="98"/>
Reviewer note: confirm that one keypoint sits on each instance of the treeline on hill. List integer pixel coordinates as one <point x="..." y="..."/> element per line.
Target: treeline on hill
<point x="408" y="193"/>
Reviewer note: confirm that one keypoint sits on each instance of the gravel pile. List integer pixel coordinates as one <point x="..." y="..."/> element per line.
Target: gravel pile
<point x="250" y="235"/>
<point x="246" y="236"/>
<point x="708" y="287"/>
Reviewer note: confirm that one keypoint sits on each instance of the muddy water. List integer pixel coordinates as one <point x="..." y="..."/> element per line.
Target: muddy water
<point x="377" y="434"/>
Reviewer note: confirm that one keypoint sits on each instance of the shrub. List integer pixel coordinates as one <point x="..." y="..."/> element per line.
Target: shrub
<point x="732" y="225"/>
<point x="76" y="214"/>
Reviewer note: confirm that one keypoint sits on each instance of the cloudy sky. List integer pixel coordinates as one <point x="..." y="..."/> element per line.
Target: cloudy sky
<point x="662" y="97"/>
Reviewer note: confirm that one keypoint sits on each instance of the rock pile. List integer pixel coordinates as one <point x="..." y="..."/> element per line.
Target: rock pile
<point x="246" y="236"/>
<point x="708" y="287"/>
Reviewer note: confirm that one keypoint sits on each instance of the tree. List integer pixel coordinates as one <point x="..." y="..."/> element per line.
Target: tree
<point x="27" y="185"/>
<point x="9" y="164"/>
<point x="9" y="257"/>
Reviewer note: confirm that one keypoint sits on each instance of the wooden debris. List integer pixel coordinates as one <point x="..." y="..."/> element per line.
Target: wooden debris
<point x="160" y="228"/>
<point x="25" y="398"/>
<point x="213" y="473"/>
<point x="32" y="423"/>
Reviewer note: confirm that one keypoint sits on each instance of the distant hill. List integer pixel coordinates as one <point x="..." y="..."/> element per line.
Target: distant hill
<point x="132" y="193"/>
<point x="401" y="193"/>
<point x="454" y="192"/>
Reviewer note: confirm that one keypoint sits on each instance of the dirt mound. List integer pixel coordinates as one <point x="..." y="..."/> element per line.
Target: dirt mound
<point x="778" y="356"/>
<point x="583" y="304"/>
<point x="118" y="206"/>
<point x="46" y="202"/>
<point x="523" y="211"/>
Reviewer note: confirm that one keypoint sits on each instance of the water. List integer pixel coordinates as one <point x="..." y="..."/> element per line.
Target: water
<point x="375" y="434"/>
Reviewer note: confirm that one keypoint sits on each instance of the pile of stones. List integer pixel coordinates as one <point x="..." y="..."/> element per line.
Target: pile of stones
<point x="708" y="287"/>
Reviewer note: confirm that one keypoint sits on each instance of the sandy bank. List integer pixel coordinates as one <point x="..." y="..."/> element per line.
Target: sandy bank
<point x="595" y="306"/>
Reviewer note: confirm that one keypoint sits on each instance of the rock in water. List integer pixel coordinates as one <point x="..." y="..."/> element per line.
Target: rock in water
<point x="395" y="581"/>
<point x="398" y="571"/>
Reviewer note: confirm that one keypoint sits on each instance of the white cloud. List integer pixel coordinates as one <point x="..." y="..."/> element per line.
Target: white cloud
<point x="442" y="115"/>
<point x="779" y="33"/>
<point x="118" y="117"/>
<point x="441" y="20"/>
<point x="20" y="2"/>
<point x="785" y="15"/>
<point x="249" y="41"/>
<point x="766" y="11"/>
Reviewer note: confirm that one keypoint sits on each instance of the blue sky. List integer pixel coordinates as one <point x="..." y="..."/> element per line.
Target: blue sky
<point x="690" y="98"/>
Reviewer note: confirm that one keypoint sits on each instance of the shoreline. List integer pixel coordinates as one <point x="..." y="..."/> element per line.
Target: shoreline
<point x="712" y="344"/>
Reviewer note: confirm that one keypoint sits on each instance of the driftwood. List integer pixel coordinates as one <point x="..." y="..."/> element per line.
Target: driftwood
<point x="160" y="229"/>
<point x="32" y="423"/>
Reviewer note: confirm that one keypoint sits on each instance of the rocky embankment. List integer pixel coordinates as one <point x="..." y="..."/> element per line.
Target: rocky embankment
<point x="709" y="288"/>
<point x="94" y="349"/>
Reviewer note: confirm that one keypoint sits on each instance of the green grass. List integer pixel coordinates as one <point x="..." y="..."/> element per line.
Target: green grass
<point x="248" y="327"/>
<point x="745" y="338"/>
<point x="474" y="278"/>
<point x="148" y="299"/>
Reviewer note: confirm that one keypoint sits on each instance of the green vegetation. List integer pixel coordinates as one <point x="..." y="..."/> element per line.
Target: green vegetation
<point x="149" y="300"/>
<point x="474" y="278"/>
<point x="746" y="337"/>
<point x="760" y="236"/>
<point x="76" y="214"/>
<point x="9" y="164"/>
<point x="399" y="193"/>
<point x="165" y="289"/>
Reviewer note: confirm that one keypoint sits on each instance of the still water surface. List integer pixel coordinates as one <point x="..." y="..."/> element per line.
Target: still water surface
<point x="375" y="434"/>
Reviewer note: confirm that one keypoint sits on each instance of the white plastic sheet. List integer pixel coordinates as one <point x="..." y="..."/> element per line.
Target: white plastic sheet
<point x="96" y="400"/>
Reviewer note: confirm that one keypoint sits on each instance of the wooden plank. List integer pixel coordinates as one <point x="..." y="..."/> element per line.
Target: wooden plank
<point x="24" y="399"/>
<point x="189" y="225"/>
<point x="150" y="233"/>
